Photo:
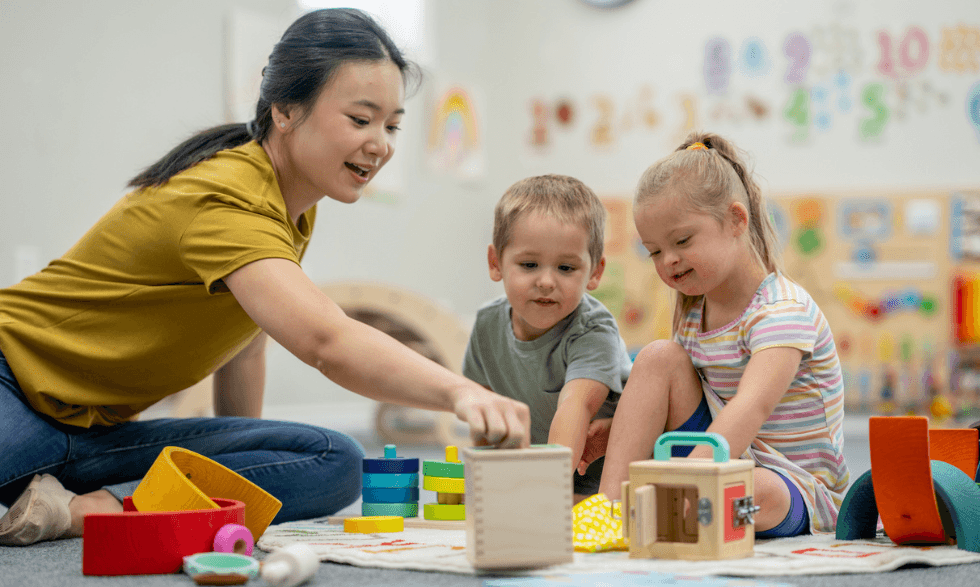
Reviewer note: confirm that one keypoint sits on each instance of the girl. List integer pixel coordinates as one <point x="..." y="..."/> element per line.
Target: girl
<point x="752" y="357"/>
<point x="186" y="275"/>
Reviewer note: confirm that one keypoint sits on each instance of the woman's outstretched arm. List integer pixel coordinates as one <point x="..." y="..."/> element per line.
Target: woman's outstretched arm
<point x="282" y="300"/>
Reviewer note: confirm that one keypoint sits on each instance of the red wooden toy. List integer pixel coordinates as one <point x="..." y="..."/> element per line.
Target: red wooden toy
<point x="152" y="543"/>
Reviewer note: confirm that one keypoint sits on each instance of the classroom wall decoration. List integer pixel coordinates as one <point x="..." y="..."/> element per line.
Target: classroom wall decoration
<point x="897" y="275"/>
<point x="455" y="143"/>
<point x="798" y="85"/>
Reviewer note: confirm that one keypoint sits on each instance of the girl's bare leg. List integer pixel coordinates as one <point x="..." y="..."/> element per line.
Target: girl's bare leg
<point x="662" y="392"/>
<point x="772" y="497"/>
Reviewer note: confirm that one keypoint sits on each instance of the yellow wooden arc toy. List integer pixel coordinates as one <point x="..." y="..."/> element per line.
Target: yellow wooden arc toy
<point x="372" y="524"/>
<point x="181" y="480"/>
<point x="444" y="484"/>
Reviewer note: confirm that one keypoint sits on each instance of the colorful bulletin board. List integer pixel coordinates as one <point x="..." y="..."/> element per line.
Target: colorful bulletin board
<point x="897" y="275"/>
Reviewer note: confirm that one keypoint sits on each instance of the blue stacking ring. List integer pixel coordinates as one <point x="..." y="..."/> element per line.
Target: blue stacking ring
<point x="389" y="479"/>
<point x="395" y="465"/>
<point x="390" y="494"/>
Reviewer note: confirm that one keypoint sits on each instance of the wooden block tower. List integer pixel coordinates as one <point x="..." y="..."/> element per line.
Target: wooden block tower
<point x="390" y="485"/>
<point x="447" y="479"/>
<point x="692" y="509"/>
<point x="520" y="506"/>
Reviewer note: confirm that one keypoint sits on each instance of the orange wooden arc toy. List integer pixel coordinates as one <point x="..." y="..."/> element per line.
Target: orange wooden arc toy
<point x="902" y="478"/>
<point x="152" y="543"/>
<point x="956" y="446"/>
<point x="921" y="482"/>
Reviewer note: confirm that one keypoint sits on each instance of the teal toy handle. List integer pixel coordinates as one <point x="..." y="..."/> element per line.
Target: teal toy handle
<point x="661" y="450"/>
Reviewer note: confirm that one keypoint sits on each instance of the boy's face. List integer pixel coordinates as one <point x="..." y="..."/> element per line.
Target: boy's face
<point x="546" y="269"/>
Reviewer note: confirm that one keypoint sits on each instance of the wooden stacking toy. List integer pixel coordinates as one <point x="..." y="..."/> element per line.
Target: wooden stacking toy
<point x="446" y="478"/>
<point x="390" y="485"/>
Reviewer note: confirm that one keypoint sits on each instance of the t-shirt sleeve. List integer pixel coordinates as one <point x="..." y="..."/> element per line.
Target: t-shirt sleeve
<point x="229" y="233"/>
<point x="598" y="353"/>
<point x="782" y="324"/>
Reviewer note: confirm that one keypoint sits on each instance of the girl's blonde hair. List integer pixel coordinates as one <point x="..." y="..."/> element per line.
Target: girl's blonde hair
<point x="711" y="176"/>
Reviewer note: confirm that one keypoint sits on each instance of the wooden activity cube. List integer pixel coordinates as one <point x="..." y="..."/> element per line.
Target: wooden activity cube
<point x="692" y="509"/>
<point x="519" y="506"/>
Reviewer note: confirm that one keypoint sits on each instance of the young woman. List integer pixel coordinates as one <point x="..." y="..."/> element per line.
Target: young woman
<point x="188" y="274"/>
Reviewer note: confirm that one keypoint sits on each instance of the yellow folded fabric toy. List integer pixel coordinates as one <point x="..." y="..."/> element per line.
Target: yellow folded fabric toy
<point x="593" y="527"/>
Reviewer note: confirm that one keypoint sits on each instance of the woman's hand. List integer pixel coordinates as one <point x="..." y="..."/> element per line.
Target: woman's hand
<point x="595" y="443"/>
<point x="493" y="419"/>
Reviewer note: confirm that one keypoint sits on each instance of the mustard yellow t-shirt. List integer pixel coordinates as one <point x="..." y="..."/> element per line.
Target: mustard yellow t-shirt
<point x="137" y="309"/>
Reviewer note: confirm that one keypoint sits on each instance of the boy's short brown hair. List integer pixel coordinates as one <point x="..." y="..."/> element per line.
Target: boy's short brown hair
<point x="564" y="198"/>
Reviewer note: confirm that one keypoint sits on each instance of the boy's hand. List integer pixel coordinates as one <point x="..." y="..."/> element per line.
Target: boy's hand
<point x="595" y="443"/>
<point x="494" y="419"/>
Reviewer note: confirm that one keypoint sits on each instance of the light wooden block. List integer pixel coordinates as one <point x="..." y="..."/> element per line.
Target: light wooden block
<point x="660" y="525"/>
<point x="519" y="506"/>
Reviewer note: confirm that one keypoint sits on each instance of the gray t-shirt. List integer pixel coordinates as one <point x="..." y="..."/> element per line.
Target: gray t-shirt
<point x="584" y="345"/>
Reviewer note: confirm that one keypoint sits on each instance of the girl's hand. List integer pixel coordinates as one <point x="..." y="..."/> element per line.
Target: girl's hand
<point x="493" y="419"/>
<point x="595" y="443"/>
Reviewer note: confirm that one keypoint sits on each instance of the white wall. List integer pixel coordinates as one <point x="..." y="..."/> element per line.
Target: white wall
<point x="94" y="91"/>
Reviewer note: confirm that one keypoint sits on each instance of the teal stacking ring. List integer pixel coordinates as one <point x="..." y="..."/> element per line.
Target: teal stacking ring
<point x="221" y="563"/>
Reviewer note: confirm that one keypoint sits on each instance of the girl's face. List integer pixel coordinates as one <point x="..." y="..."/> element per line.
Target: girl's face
<point x="693" y="252"/>
<point x="348" y="136"/>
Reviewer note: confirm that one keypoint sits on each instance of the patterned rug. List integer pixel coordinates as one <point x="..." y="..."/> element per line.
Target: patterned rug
<point x="424" y="549"/>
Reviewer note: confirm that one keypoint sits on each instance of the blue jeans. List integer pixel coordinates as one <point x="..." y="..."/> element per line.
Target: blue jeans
<point x="313" y="471"/>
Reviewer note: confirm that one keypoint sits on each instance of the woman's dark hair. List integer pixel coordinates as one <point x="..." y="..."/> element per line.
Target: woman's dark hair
<point x="302" y="63"/>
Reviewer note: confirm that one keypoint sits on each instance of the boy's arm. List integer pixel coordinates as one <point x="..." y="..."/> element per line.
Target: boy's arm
<point x="578" y="402"/>
<point x="765" y="380"/>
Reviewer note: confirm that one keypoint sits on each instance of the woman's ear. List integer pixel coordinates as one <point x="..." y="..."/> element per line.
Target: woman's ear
<point x="740" y="217"/>
<point x="281" y="117"/>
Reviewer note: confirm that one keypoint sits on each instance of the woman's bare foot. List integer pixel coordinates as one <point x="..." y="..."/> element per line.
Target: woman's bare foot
<point x="40" y="513"/>
<point x="48" y="511"/>
<point x="97" y="502"/>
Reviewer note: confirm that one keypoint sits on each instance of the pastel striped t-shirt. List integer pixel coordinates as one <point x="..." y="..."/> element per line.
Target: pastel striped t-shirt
<point x="803" y="438"/>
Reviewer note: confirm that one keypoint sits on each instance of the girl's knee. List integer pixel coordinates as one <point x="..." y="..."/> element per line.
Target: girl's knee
<point x="771" y="493"/>
<point x="661" y="354"/>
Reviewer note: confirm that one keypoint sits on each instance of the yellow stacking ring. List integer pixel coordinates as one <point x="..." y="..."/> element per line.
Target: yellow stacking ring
<point x="443" y="484"/>
<point x="372" y="524"/>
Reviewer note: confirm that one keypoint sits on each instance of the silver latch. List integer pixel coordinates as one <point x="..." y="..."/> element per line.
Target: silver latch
<point x="704" y="511"/>
<point x="743" y="511"/>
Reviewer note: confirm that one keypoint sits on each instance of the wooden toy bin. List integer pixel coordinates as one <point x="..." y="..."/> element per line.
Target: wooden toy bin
<point x="518" y="506"/>
<point x="691" y="509"/>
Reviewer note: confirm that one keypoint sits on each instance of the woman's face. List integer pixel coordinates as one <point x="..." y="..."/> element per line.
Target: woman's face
<point x="348" y="136"/>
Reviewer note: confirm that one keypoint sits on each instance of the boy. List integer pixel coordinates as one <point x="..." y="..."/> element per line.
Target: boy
<point x="547" y="343"/>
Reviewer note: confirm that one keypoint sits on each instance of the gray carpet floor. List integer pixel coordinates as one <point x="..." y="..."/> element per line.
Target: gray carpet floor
<point x="52" y="564"/>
